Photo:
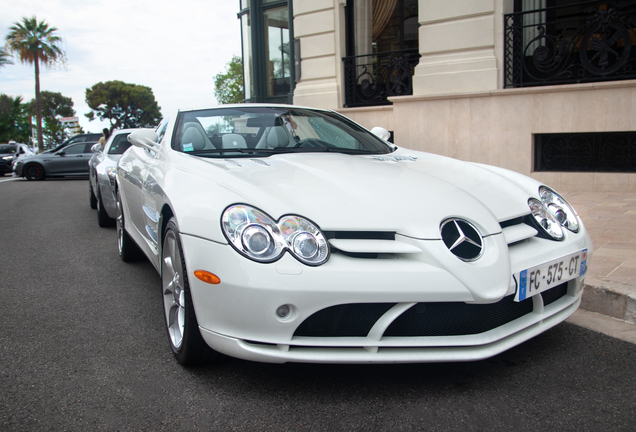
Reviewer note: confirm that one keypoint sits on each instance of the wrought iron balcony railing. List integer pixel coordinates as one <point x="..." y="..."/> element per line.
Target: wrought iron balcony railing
<point x="370" y="79"/>
<point x="587" y="41"/>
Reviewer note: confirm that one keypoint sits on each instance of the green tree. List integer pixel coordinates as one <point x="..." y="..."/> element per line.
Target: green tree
<point x="35" y="42"/>
<point x="14" y="119"/>
<point x="54" y="107"/>
<point x="4" y="58"/>
<point x="228" y="86"/>
<point x="123" y="105"/>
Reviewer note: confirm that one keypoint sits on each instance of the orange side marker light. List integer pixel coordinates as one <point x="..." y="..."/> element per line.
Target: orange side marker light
<point x="207" y="277"/>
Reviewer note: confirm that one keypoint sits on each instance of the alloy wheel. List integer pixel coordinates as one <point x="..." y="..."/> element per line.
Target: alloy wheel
<point x="174" y="300"/>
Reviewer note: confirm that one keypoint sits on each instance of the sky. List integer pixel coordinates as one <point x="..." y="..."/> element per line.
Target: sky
<point x="174" y="47"/>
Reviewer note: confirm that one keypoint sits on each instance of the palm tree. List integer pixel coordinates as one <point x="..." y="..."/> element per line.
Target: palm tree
<point x="4" y="58"/>
<point x="35" y="42"/>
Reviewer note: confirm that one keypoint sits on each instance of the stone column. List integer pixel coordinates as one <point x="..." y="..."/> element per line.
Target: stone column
<point x="458" y="43"/>
<point x="317" y="24"/>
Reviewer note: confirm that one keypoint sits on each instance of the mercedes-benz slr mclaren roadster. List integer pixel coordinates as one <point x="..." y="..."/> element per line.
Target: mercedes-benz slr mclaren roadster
<point x="102" y="168"/>
<point x="290" y="234"/>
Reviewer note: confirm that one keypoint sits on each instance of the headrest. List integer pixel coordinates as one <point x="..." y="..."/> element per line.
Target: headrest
<point x="192" y="139"/>
<point x="233" y="141"/>
<point x="278" y="137"/>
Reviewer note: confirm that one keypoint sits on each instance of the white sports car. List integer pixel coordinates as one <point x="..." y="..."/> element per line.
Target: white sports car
<point x="290" y="234"/>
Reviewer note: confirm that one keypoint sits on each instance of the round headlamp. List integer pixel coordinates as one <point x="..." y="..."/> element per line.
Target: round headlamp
<point x="546" y="220"/>
<point x="560" y="209"/>
<point x="257" y="236"/>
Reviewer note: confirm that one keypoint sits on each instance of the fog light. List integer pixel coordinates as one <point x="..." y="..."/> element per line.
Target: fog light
<point x="283" y="311"/>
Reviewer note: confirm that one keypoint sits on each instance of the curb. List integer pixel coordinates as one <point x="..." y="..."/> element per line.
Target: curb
<point x="610" y="298"/>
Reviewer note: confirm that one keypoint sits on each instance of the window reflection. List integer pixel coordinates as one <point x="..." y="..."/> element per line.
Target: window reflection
<point x="277" y="48"/>
<point x="247" y="56"/>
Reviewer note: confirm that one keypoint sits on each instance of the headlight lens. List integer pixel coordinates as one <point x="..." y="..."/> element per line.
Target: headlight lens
<point x="559" y="207"/>
<point x="7" y="157"/>
<point x="257" y="236"/>
<point x="112" y="175"/>
<point x="546" y="219"/>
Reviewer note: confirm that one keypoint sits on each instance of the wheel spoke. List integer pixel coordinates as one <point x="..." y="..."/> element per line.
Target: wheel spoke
<point x="173" y="314"/>
<point x="168" y="262"/>
<point x="169" y="289"/>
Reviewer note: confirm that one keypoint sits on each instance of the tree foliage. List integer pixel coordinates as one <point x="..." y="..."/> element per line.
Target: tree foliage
<point x="34" y="43"/>
<point x="123" y="105"/>
<point x="228" y="86"/>
<point x="14" y="120"/>
<point x="54" y="107"/>
<point x="4" y="58"/>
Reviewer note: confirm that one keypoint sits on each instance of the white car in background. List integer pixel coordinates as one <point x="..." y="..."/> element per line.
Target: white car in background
<point x="290" y="234"/>
<point x="10" y="153"/>
<point x="101" y="176"/>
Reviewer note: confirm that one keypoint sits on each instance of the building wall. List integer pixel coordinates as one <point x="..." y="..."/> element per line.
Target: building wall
<point x="498" y="127"/>
<point x="459" y="107"/>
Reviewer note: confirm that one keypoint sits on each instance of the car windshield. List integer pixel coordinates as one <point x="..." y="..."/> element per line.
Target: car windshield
<point x="263" y="131"/>
<point x="8" y="149"/>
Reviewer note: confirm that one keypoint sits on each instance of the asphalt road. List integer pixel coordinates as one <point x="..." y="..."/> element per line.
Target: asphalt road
<point x="83" y="348"/>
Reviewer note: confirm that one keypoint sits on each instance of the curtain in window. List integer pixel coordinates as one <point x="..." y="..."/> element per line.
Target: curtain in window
<point x="382" y="13"/>
<point x="531" y="21"/>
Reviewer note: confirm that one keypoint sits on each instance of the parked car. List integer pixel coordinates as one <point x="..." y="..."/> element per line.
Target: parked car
<point x="293" y="234"/>
<point x="101" y="176"/>
<point x="9" y="153"/>
<point x="70" y="161"/>
<point x="88" y="137"/>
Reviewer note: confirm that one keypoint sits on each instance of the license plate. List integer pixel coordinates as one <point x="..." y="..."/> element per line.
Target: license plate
<point x="545" y="276"/>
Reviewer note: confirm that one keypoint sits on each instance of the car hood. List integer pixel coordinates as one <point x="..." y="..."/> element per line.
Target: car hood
<point x="406" y="192"/>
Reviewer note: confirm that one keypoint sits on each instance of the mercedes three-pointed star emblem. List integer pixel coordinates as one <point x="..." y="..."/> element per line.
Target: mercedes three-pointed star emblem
<point x="462" y="239"/>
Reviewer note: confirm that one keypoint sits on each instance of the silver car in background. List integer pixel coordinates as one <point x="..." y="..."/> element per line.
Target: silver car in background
<point x="101" y="176"/>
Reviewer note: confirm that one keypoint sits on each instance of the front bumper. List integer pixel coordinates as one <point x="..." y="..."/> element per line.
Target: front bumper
<point x="5" y="166"/>
<point x="238" y="317"/>
<point x="17" y="168"/>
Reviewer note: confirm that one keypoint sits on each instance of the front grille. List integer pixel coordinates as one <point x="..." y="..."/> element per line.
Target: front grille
<point x="553" y="294"/>
<point x="422" y="319"/>
<point x="454" y="319"/>
<point x="348" y="320"/>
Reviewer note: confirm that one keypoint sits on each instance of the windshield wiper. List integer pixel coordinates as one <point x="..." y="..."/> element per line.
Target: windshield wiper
<point x="280" y="150"/>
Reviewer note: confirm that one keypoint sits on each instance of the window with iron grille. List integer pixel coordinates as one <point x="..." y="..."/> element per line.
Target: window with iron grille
<point x="586" y="152"/>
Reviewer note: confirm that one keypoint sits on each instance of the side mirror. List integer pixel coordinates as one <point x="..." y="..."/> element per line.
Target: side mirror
<point x="97" y="148"/>
<point x="381" y="133"/>
<point x="144" y="138"/>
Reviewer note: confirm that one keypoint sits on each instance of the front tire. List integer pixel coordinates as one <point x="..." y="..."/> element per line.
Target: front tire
<point x="103" y="220"/>
<point x="128" y="249"/>
<point x="186" y="342"/>
<point x="92" y="200"/>
<point x="34" y="172"/>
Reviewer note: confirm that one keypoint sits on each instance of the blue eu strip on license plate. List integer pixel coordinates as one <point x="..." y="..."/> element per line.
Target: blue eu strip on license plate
<point x="541" y="278"/>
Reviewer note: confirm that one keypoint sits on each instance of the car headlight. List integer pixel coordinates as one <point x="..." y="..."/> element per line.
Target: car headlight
<point x="7" y="157"/>
<point x="560" y="209"/>
<point x="112" y="175"/>
<point x="257" y="236"/>
<point x="546" y="219"/>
